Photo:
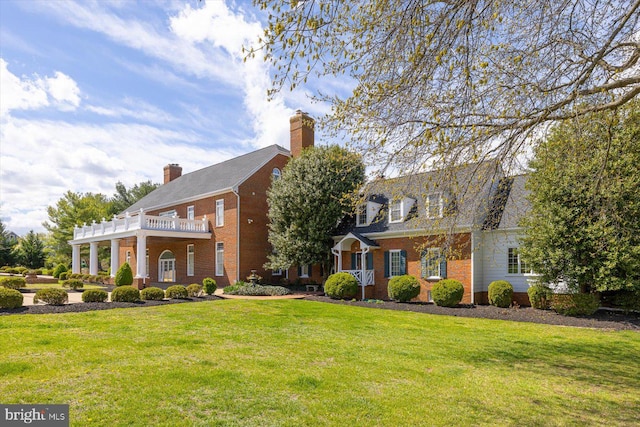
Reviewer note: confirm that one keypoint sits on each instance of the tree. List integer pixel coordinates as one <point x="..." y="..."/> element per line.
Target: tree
<point x="30" y="251"/>
<point x="584" y="225"/>
<point x="7" y="244"/>
<point x="123" y="198"/>
<point x="454" y="81"/>
<point x="307" y="202"/>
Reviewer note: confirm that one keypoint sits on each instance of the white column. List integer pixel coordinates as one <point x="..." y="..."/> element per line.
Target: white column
<point x="93" y="258"/>
<point x="75" y="258"/>
<point x="141" y="256"/>
<point x="115" y="256"/>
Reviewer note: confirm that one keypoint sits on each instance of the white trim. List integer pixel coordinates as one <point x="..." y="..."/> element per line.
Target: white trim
<point x="191" y="263"/>
<point x="219" y="259"/>
<point x="191" y="212"/>
<point x="170" y="213"/>
<point x="391" y="252"/>
<point x="303" y="274"/>
<point x="393" y="209"/>
<point x="440" y="205"/>
<point x="219" y="218"/>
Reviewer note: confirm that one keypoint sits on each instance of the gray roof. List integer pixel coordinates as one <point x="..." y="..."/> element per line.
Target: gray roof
<point x="517" y="205"/>
<point x="210" y="180"/>
<point x="468" y="192"/>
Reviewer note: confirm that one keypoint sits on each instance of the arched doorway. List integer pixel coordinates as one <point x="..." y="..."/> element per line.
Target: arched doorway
<point x="167" y="267"/>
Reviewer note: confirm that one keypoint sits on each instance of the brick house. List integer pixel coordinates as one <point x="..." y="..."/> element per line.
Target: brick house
<point x="208" y="223"/>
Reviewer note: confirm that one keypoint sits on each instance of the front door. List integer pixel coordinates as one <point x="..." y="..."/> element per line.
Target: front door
<point x="167" y="267"/>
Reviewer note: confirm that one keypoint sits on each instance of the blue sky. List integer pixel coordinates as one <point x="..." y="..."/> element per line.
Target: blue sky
<point x="92" y="93"/>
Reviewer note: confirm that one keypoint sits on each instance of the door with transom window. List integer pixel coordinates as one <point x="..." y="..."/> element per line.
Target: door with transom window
<point x="167" y="267"/>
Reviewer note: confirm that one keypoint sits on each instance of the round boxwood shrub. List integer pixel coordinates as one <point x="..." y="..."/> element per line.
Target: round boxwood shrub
<point x="51" y="296"/>
<point x="60" y="268"/>
<point x="152" y="294"/>
<point x="500" y="293"/>
<point x="539" y="296"/>
<point x="14" y="282"/>
<point x="124" y="275"/>
<point x="64" y="275"/>
<point x="194" y="290"/>
<point x="575" y="304"/>
<point x="176" y="292"/>
<point x="94" y="295"/>
<point x="447" y="293"/>
<point x="403" y="288"/>
<point x="209" y="285"/>
<point x="74" y="284"/>
<point x="125" y="293"/>
<point x="341" y="285"/>
<point x="10" y="298"/>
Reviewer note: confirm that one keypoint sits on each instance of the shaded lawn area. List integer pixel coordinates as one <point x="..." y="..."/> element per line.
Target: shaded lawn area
<point x="292" y="363"/>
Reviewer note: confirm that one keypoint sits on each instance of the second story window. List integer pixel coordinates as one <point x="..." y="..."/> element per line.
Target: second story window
<point x="219" y="213"/>
<point x="395" y="211"/>
<point x="276" y="174"/>
<point x="361" y="215"/>
<point x="191" y="212"/>
<point x="434" y="206"/>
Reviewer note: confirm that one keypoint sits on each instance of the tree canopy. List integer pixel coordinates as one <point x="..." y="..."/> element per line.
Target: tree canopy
<point x="7" y="244"/>
<point x="30" y="251"/>
<point x="454" y="81"/>
<point x="584" y="224"/>
<point x="307" y="202"/>
<point x="123" y="197"/>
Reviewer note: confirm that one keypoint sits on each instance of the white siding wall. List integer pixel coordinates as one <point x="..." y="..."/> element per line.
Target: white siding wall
<point x="494" y="260"/>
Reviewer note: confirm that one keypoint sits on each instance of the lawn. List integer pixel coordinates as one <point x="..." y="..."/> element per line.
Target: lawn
<point x="295" y="363"/>
<point x="36" y="286"/>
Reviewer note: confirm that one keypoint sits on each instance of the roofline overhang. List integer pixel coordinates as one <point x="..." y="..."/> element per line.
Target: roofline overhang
<point x="141" y="233"/>
<point x="381" y="235"/>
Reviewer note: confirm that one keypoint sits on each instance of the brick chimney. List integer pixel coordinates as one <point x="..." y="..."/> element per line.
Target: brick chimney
<point x="171" y="172"/>
<point x="301" y="132"/>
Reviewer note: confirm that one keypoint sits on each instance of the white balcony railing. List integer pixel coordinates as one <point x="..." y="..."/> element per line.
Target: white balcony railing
<point x="140" y="221"/>
<point x="368" y="276"/>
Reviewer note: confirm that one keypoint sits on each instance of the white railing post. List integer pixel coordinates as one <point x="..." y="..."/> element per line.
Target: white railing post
<point x="141" y="223"/>
<point x="103" y="224"/>
<point x="113" y="222"/>
<point x="93" y="227"/>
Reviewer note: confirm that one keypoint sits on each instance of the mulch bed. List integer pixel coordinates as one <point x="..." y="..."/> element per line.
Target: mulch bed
<point x="603" y="319"/>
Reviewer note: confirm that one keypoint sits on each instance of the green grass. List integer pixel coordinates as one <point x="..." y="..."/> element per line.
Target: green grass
<point x="36" y="286"/>
<point x="302" y="363"/>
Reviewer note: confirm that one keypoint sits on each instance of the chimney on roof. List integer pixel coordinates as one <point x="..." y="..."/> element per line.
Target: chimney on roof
<point x="171" y="172"/>
<point x="301" y="125"/>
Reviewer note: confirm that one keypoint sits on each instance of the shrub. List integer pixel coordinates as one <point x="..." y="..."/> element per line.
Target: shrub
<point x="447" y="293"/>
<point x="209" y="285"/>
<point x="125" y="293"/>
<point x="341" y="285"/>
<point x="74" y="284"/>
<point x="627" y="300"/>
<point x="231" y="289"/>
<point x="52" y="296"/>
<point x="124" y="275"/>
<point x="152" y="294"/>
<point x="13" y="282"/>
<point x="194" y="290"/>
<point x="500" y="293"/>
<point x="94" y="295"/>
<point x="403" y="288"/>
<point x="176" y="292"/>
<point x="257" y="290"/>
<point x="64" y="275"/>
<point x="21" y="270"/>
<point x="60" y="268"/>
<point x="575" y="304"/>
<point x="10" y="298"/>
<point x="539" y="296"/>
<point x="45" y="271"/>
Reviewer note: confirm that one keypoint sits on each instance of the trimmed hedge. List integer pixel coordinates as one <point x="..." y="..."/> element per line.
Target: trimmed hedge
<point x="539" y="296"/>
<point x="194" y="290"/>
<point x="341" y="285"/>
<point x="125" y="293"/>
<point x="74" y="284"/>
<point x="152" y="294"/>
<point x="51" y="296"/>
<point x="10" y="298"/>
<point x="500" y="293"/>
<point x="209" y="285"/>
<point x="256" y="290"/>
<point x="124" y="275"/>
<point x="94" y="295"/>
<point x="403" y="288"/>
<point x="176" y="292"/>
<point x="447" y="293"/>
<point x="13" y="282"/>
<point x="575" y="304"/>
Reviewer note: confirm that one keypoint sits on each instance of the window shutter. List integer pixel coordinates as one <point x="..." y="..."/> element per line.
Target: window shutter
<point x="403" y="262"/>
<point x="443" y="267"/>
<point x="299" y="271"/>
<point x="386" y="263"/>
<point x="369" y="261"/>
<point x="353" y="261"/>
<point x="423" y="264"/>
<point x="310" y="270"/>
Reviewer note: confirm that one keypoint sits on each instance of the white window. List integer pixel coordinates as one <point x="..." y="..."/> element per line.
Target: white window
<point x="276" y="174"/>
<point x="219" y="259"/>
<point x="191" y="212"/>
<point x="395" y="263"/>
<point x="191" y="260"/>
<point x="431" y="259"/>
<point x="434" y="206"/>
<point x="127" y="257"/>
<point x="304" y="271"/>
<point x="395" y="211"/>
<point x="361" y="215"/>
<point x="515" y="264"/>
<point x="277" y="272"/>
<point x="170" y="213"/>
<point x="219" y="213"/>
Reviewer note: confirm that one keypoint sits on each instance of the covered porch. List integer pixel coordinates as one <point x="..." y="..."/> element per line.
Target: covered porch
<point x="361" y="256"/>
<point x="138" y="225"/>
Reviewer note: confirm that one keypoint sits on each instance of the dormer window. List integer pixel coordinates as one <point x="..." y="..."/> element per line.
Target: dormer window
<point x="434" y="206"/>
<point x="395" y="211"/>
<point x="361" y="216"/>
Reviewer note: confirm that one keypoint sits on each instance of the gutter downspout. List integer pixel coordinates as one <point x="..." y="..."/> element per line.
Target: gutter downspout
<point x="473" y="266"/>
<point x="235" y="191"/>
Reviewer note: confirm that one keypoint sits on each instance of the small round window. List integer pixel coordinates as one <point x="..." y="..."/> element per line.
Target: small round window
<point x="276" y="174"/>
